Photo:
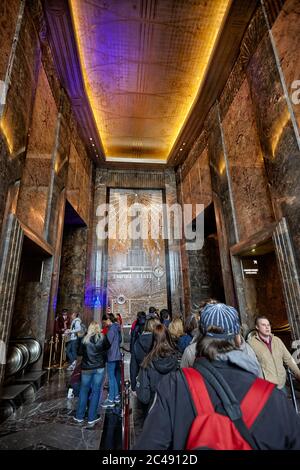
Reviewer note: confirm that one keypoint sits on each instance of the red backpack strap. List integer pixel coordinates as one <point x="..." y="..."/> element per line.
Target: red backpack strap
<point x="198" y="391"/>
<point x="255" y="399"/>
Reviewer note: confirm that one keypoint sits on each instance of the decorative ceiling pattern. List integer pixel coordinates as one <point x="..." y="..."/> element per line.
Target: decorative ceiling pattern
<point x="143" y="62"/>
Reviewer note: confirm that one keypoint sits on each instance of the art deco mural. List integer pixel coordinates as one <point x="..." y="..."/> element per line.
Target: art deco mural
<point x="137" y="274"/>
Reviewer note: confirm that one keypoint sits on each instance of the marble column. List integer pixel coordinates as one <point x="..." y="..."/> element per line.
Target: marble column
<point x="289" y="275"/>
<point x="10" y="255"/>
<point x="176" y="290"/>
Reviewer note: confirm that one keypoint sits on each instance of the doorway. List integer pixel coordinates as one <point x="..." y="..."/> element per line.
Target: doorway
<point x="263" y="289"/>
<point x="205" y="270"/>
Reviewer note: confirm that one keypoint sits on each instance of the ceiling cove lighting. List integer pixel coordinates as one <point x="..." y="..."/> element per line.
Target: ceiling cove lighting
<point x="143" y="68"/>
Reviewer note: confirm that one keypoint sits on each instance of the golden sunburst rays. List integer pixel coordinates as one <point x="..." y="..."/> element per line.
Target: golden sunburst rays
<point x="144" y="208"/>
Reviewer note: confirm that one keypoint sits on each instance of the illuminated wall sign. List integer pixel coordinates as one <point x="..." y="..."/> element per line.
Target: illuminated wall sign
<point x="250" y="267"/>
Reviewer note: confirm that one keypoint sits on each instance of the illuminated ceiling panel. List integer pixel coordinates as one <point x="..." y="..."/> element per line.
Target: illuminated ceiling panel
<point x="143" y="62"/>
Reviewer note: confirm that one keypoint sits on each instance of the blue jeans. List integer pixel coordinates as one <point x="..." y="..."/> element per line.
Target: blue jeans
<point x="90" y="379"/>
<point x="113" y="369"/>
<point x="71" y="350"/>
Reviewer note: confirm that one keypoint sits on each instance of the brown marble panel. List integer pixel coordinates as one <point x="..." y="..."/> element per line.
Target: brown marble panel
<point x="32" y="203"/>
<point x="277" y="137"/>
<point x="247" y="171"/>
<point x="72" y="269"/>
<point x="8" y="20"/>
<point x="17" y="114"/>
<point x="79" y="182"/>
<point x="286" y="31"/>
<point x="205" y="178"/>
<point x="186" y="190"/>
<point x="32" y="206"/>
<point x="4" y="178"/>
<point x="42" y="134"/>
<point x="219" y="180"/>
<point x="252" y="204"/>
<point x="194" y="176"/>
<point x="59" y="177"/>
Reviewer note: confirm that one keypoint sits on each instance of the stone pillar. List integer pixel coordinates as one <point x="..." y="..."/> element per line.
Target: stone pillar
<point x="95" y="292"/>
<point x="10" y="255"/>
<point x="176" y="291"/>
<point x="289" y="275"/>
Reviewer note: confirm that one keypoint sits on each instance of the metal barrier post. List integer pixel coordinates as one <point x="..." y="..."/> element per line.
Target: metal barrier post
<point x="55" y="349"/>
<point x="122" y="377"/>
<point x="51" y="342"/>
<point x="126" y="417"/>
<point x="62" y="351"/>
<point x="294" y="399"/>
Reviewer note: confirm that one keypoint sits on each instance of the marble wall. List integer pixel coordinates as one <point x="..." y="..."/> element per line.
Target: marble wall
<point x="79" y="182"/>
<point x="246" y="166"/>
<point x="286" y="33"/>
<point x="20" y="79"/>
<point x="278" y="137"/>
<point x="139" y="179"/>
<point x="8" y="21"/>
<point x="35" y="183"/>
<point x="71" y="293"/>
<point x="252" y="135"/>
<point x="37" y="129"/>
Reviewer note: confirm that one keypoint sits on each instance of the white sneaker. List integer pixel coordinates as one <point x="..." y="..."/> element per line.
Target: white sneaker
<point x="95" y="420"/>
<point x="70" y="393"/>
<point x="72" y="366"/>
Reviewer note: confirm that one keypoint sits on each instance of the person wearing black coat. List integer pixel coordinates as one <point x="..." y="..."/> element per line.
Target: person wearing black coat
<point x="161" y="360"/>
<point x="169" y="420"/>
<point x="93" y="349"/>
<point x="141" y="348"/>
<point x="138" y="329"/>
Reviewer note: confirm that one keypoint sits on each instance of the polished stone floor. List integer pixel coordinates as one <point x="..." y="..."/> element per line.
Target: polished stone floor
<point x="47" y="422"/>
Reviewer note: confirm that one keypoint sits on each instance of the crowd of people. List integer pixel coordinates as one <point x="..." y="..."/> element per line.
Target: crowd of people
<point x="176" y="366"/>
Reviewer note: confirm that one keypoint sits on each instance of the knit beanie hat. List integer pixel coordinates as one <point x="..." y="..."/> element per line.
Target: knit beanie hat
<point x="222" y="316"/>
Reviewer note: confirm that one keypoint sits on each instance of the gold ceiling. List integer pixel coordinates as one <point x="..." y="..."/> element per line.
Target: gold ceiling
<point x="143" y="62"/>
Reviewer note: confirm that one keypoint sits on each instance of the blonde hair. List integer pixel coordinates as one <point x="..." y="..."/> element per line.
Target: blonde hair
<point x="176" y="328"/>
<point x="93" y="330"/>
<point x="151" y="324"/>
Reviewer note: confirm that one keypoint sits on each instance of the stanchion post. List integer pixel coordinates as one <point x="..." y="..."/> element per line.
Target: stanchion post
<point x="55" y="349"/>
<point x="294" y="399"/>
<point x="50" y="354"/>
<point x="126" y="417"/>
<point x="122" y="379"/>
<point x="62" y="351"/>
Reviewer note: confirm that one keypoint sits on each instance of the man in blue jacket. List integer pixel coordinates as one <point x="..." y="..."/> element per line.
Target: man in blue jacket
<point x="113" y="361"/>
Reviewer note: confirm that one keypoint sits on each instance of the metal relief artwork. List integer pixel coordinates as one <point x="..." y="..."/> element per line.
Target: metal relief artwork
<point x="136" y="277"/>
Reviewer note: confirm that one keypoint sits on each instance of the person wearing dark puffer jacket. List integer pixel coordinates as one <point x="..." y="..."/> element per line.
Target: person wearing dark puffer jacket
<point x="169" y="421"/>
<point x="93" y="349"/>
<point x="142" y="347"/>
<point x="113" y="361"/>
<point x="138" y="329"/>
<point x="161" y="360"/>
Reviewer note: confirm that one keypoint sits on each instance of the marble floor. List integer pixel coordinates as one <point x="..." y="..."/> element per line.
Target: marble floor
<point x="47" y="421"/>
